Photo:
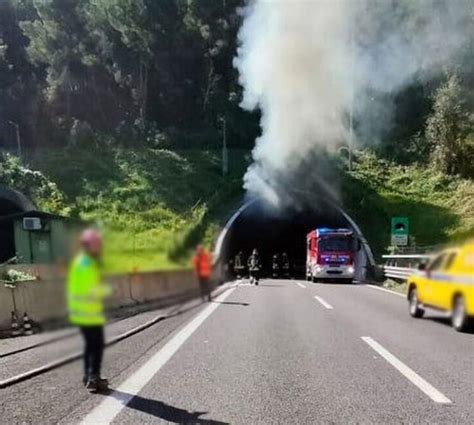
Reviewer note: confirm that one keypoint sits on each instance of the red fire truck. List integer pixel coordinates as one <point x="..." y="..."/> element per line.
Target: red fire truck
<point x="330" y="254"/>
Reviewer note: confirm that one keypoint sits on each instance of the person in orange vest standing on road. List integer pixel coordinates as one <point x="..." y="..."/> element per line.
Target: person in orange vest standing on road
<point x="202" y="269"/>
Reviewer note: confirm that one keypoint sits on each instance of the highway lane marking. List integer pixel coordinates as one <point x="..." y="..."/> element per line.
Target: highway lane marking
<point x="323" y="302"/>
<point x="301" y="285"/>
<point x="408" y="373"/>
<point x="386" y="290"/>
<point x="111" y="406"/>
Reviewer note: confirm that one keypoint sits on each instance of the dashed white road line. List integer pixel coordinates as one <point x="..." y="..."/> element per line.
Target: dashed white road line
<point x="301" y="285"/>
<point x="408" y="373"/>
<point x="386" y="290"/>
<point x="323" y="302"/>
<point x="106" y="411"/>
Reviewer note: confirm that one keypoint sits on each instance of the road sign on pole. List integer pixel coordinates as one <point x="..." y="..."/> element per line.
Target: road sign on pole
<point x="399" y="231"/>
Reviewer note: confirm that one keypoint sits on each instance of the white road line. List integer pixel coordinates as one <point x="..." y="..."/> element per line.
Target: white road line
<point x="301" y="285"/>
<point x="324" y="303"/>
<point x="386" y="290"/>
<point x="408" y="373"/>
<point x="106" y="411"/>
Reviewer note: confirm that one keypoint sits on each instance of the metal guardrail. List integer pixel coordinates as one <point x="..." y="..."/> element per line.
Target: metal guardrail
<point x="416" y="250"/>
<point x="400" y="266"/>
<point x="398" y="272"/>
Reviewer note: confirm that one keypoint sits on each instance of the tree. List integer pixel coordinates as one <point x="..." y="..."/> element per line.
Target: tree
<point x="79" y="85"/>
<point x="448" y="131"/>
<point x="20" y="81"/>
<point x="125" y="70"/>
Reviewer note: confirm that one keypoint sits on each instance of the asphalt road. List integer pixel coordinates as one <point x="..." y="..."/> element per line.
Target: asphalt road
<point x="271" y="354"/>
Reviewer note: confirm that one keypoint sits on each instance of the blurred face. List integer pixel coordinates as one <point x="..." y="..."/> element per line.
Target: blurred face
<point x="93" y="248"/>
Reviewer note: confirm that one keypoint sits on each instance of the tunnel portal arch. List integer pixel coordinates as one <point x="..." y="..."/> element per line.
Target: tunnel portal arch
<point x="255" y="225"/>
<point x="11" y="202"/>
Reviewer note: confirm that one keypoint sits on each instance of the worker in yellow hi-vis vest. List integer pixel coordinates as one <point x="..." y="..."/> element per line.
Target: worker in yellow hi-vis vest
<point x="85" y="296"/>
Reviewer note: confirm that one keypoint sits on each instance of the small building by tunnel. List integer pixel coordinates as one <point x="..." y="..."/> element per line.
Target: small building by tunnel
<point x="256" y="226"/>
<point x="28" y="236"/>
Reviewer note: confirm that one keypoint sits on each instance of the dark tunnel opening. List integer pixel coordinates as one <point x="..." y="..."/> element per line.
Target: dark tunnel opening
<point x="254" y="226"/>
<point x="7" y="236"/>
<point x="11" y="202"/>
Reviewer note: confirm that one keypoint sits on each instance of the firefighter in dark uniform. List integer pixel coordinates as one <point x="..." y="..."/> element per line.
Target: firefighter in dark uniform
<point x="285" y="265"/>
<point x="254" y="266"/>
<point x="239" y="265"/>
<point x="275" y="266"/>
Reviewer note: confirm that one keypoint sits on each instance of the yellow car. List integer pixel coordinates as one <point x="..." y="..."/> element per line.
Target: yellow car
<point x="446" y="283"/>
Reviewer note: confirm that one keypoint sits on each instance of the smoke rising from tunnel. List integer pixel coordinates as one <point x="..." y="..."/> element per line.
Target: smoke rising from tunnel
<point x="308" y="64"/>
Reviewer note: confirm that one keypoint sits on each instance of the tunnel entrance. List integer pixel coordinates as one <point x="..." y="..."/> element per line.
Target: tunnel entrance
<point x="11" y="202"/>
<point x="270" y="232"/>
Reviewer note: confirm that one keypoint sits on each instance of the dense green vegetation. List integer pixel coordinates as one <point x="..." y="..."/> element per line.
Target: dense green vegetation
<point x="34" y="184"/>
<point x="121" y="106"/>
<point x="440" y="207"/>
<point x="157" y="204"/>
<point x="157" y="73"/>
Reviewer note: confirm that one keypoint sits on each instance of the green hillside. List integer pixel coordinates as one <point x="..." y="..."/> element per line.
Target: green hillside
<point x="155" y="205"/>
<point x="158" y="204"/>
<point x="440" y="207"/>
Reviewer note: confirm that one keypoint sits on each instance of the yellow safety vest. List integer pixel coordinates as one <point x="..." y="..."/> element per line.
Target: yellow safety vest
<point x="85" y="292"/>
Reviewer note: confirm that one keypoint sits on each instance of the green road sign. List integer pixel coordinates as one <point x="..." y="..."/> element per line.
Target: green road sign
<point x="399" y="231"/>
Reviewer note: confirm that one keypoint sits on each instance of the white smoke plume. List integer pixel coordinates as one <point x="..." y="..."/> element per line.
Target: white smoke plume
<point x="307" y="64"/>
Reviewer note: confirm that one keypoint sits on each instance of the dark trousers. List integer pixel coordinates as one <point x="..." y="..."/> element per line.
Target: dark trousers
<point x="93" y="349"/>
<point x="255" y="274"/>
<point x="205" y="289"/>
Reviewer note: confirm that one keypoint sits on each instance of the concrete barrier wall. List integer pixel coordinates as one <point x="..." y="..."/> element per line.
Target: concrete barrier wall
<point x="45" y="300"/>
<point x="41" y="299"/>
<point x="5" y="304"/>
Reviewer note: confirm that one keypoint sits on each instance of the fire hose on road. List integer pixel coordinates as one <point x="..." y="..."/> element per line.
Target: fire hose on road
<point x="78" y="354"/>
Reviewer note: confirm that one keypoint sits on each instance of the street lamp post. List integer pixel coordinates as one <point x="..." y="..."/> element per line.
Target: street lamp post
<point x="351" y="109"/>
<point x="225" y="152"/>
<point x="18" y="139"/>
<point x="350" y="149"/>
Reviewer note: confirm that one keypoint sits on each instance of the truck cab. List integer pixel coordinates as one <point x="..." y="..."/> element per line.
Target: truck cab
<point x="330" y="255"/>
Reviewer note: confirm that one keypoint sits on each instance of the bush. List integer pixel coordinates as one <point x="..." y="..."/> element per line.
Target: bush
<point x="43" y="192"/>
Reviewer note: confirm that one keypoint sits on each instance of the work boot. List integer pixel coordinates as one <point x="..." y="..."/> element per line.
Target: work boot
<point x="85" y="380"/>
<point x="97" y="384"/>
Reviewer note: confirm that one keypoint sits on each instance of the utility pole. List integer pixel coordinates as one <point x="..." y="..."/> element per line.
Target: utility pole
<point x="18" y="140"/>
<point x="225" y="152"/>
